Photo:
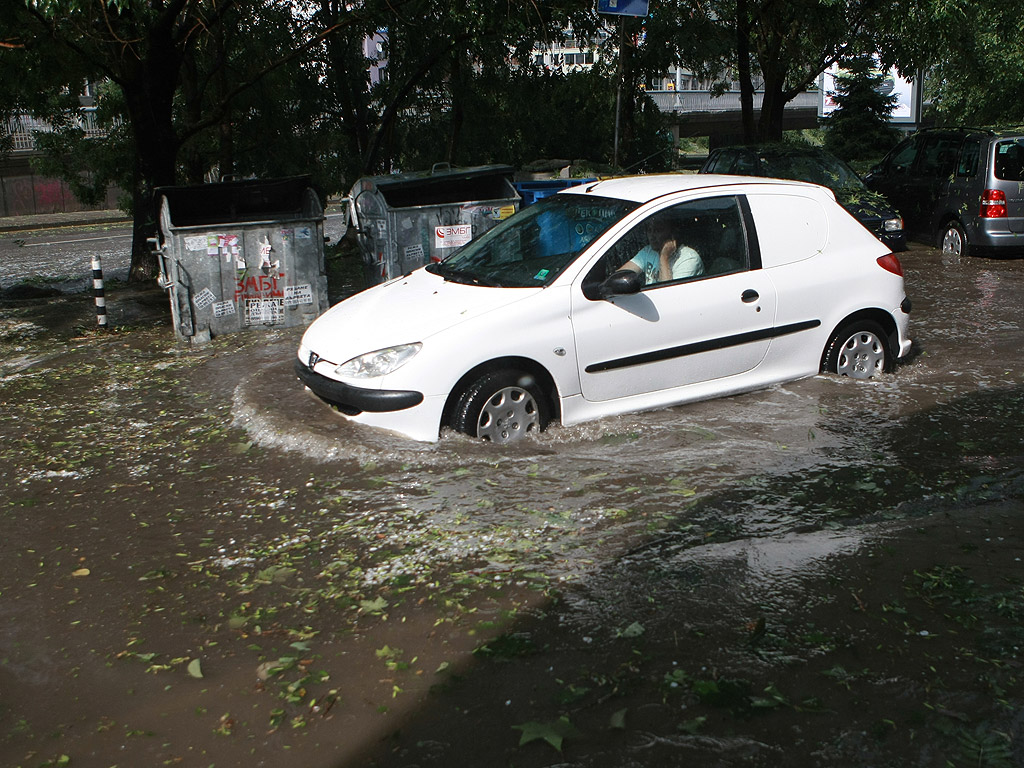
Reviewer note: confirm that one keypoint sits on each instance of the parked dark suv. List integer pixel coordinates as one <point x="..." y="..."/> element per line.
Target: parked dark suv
<point x="786" y="161"/>
<point x="958" y="188"/>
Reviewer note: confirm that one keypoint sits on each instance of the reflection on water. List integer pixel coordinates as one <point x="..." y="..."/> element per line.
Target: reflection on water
<point x="825" y="452"/>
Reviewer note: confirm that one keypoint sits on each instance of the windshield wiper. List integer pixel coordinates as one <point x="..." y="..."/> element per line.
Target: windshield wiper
<point x="467" y="278"/>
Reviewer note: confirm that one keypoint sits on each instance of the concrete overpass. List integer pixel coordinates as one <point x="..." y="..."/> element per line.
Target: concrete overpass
<point x="698" y="113"/>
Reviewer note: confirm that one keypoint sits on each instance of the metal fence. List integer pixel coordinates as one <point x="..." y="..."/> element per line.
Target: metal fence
<point x="23" y="129"/>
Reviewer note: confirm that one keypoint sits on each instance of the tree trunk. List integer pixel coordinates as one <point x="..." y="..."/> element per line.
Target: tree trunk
<point x="743" y="72"/>
<point x="770" y="127"/>
<point x="149" y="97"/>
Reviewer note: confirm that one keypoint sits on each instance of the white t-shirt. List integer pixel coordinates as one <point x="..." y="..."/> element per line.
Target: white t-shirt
<point x="685" y="263"/>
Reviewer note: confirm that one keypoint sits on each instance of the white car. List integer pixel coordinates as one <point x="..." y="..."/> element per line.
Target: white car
<point x="569" y="310"/>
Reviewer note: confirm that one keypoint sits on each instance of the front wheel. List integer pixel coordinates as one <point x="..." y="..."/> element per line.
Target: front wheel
<point x="954" y="240"/>
<point x="858" y="350"/>
<point x="501" y="407"/>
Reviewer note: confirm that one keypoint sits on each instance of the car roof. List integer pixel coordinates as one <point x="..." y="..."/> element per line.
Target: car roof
<point x="643" y="189"/>
<point x="999" y="133"/>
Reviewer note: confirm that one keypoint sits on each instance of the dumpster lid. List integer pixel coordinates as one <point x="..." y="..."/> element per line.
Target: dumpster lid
<point x="234" y="201"/>
<point x="442" y="173"/>
<point x="441" y="186"/>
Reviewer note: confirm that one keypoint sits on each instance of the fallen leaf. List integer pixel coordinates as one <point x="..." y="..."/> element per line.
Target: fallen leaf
<point x="553" y="732"/>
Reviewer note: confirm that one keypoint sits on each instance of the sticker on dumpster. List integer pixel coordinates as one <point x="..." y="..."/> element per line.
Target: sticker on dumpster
<point x="263" y="311"/>
<point x="223" y="308"/>
<point x="303" y="233"/>
<point x="414" y="252"/>
<point x="298" y="294"/>
<point x="195" y="243"/>
<point x="204" y="298"/>
<point x="493" y="212"/>
<point x="223" y="244"/>
<point x="452" y="236"/>
<point x="266" y="265"/>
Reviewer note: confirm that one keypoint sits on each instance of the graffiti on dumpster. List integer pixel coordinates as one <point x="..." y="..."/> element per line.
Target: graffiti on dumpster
<point x="262" y="297"/>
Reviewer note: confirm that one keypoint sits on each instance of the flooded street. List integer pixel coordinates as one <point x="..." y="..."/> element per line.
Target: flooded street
<point x="204" y="565"/>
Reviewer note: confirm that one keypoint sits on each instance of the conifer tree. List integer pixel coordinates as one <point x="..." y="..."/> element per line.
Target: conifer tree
<point x="859" y="128"/>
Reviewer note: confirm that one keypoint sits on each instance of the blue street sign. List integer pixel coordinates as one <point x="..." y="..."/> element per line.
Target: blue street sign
<point x="623" y="7"/>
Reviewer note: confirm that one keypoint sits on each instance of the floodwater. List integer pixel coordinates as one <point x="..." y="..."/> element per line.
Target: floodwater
<point x="203" y="565"/>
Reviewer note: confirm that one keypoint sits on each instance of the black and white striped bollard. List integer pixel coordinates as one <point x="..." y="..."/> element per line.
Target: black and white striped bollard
<point x="97" y="292"/>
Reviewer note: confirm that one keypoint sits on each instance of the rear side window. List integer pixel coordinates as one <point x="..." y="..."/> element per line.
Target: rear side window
<point x="1009" y="164"/>
<point x="968" y="165"/>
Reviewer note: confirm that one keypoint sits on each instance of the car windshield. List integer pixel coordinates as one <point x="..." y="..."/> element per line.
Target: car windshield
<point x="532" y="248"/>
<point x="816" y="168"/>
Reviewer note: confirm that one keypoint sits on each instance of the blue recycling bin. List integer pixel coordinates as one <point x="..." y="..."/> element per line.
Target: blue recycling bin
<point x="532" y="191"/>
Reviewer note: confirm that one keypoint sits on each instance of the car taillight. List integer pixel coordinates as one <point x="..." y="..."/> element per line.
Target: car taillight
<point x="993" y="204"/>
<point x="890" y="263"/>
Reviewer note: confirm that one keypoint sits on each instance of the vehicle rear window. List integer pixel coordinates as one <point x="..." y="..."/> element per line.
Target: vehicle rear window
<point x="1009" y="163"/>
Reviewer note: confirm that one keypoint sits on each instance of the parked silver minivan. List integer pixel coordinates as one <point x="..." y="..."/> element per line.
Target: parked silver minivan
<point x="960" y="189"/>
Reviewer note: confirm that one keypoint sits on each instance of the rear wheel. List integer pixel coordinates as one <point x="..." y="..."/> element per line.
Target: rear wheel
<point x="954" y="240"/>
<point x="501" y="407"/>
<point x="858" y="350"/>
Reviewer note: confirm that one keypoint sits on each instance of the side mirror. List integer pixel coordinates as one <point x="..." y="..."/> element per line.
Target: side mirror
<point x="620" y="283"/>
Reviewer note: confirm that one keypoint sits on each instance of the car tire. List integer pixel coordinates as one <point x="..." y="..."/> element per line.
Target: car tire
<point x="501" y="407"/>
<point x="859" y="350"/>
<point x="953" y="240"/>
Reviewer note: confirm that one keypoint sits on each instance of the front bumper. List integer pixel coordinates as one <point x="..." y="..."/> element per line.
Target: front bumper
<point x="352" y="400"/>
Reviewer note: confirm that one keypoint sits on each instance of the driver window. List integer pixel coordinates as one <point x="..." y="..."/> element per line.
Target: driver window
<point x="688" y="241"/>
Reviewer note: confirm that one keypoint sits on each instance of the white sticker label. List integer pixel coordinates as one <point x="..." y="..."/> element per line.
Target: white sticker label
<point x="263" y="311"/>
<point x="298" y="294"/>
<point x="223" y="308"/>
<point x="414" y="252"/>
<point x="453" y="236"/>
<point x="195" y="243"/>
<point x="204" y="298"/>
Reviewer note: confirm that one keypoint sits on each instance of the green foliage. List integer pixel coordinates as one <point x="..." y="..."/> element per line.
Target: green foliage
<point x="859" y="128"/>
<point x="523" y="116"/>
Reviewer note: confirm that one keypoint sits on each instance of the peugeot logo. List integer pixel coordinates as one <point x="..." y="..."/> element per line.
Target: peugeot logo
<point x="314" y="358"/>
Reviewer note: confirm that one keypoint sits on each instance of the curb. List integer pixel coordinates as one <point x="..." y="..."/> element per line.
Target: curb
<point x="53" y="221"/>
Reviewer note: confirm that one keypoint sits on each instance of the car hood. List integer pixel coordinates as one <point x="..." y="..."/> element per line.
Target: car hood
<point x="405" y="310"/>
<point x="865" y="209"/>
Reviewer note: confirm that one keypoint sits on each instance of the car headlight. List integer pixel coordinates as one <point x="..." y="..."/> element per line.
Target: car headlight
<point x="378" y="363"/>
<point x="893" y="225"/>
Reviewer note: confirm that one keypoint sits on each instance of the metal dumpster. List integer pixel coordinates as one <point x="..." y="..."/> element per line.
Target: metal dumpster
<point x="404" y="221"/>
<point x="240" y="255"/>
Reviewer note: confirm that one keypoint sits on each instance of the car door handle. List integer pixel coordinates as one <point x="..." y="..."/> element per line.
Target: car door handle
<point x="750" y="295"/>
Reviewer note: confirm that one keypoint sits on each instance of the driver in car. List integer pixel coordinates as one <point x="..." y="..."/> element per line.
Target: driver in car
<point x="665" y="258"/>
